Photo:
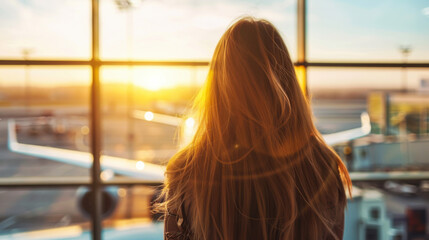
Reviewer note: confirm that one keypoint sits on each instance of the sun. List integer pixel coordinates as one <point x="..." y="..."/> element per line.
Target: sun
<point x="151" y="79"/>
<point x="151" y="82"/>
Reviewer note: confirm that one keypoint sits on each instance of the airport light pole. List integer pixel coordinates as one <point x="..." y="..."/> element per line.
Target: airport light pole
<point x="301" y="68"/>
<point x="25" y="53"/>
<point x="405" y="50"/>
<point x="128" y="6"/>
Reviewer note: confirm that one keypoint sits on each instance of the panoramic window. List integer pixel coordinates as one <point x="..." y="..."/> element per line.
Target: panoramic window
<point x="365" y="71"/>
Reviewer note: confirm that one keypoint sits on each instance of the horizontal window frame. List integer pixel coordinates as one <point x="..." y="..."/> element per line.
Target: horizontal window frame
<point x="70" y="182"/>
<point x="73" y="182"/>
<point x="364" y="64"/>
<point x="63" y="62"/>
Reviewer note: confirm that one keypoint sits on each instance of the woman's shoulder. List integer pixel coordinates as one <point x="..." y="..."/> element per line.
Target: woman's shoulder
<point x="178" y="161"/>
<point x="177" y="169"/>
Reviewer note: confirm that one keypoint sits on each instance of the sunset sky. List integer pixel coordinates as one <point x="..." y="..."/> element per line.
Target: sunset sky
<point x="338" y="30"/>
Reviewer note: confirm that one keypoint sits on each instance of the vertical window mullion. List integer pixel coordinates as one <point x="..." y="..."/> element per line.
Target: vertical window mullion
<point x="302" y="60"/>
<point x="96" y="217"/>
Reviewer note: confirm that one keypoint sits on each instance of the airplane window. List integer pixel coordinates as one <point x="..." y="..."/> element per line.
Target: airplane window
<point x="42" y="214"/>
<point x="63" y="29"/>
<point x="44" y="121"/>
<point x="368" y="31"/>
<point x="182" y="30"/>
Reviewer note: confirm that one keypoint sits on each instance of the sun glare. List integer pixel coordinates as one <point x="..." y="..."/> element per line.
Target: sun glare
<point x="148" y="116"/>
<point x="151" y="79"/>
<point x="140" y="165"/>
<point x="152" y="85"/>
<point x="190" y="122"/>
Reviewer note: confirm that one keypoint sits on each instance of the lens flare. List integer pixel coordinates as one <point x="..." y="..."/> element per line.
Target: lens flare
<point x="140" y="165"/>
<point x="148" y="116"/>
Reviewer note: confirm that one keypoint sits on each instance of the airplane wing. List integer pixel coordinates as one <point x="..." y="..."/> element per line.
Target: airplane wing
<point x="131" y="168"/>
<point x="331" y="139"/>
<point x="141" y="169"/>
<point x="348" y="135"/>
<point x="157" y="117"/>
<point x="188" y="124"/>
<point x="393" y="175"/>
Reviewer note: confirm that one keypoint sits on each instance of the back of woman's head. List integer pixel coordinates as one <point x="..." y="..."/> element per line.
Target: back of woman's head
<point x="251" y="97"/>
<point x="257" y="168"/>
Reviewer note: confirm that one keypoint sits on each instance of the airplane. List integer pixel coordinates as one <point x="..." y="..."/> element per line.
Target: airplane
<point x="142" y="169"/>
<point x="145" y="170"/>
<point x="153" y="172"/>
<point x="139" y="168"/>
<point x="131" y="168"/>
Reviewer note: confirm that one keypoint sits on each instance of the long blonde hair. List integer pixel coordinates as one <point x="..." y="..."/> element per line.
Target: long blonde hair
<point x="257" y="168"/>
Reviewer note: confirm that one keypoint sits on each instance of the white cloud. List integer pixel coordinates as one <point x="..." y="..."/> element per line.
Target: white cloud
<point x="425" y="11"/>
<point x="173" y="29"/>
<point x="50" y="28"/>
<point x="180" y="29"/>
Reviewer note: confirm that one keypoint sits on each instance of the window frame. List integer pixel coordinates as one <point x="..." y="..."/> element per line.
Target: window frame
<point x="94" y="182"/>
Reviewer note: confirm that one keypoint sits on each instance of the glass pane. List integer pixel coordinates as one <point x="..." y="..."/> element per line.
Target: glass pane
<point x="42" y="214"/>
<point x="346" y="91"/>
<point x="339" y="95"/>
<point x="34" y="29"/>
<point x="185" y="30"/>
<point x="132" y="217"/>
<point x="145" y="115"/>
<point x="397" y="102"/>
<point x="43" y="114"/>
<point x="368" y="31"/>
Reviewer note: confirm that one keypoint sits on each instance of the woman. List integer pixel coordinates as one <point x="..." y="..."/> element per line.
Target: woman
<point x="257" y="168"/>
